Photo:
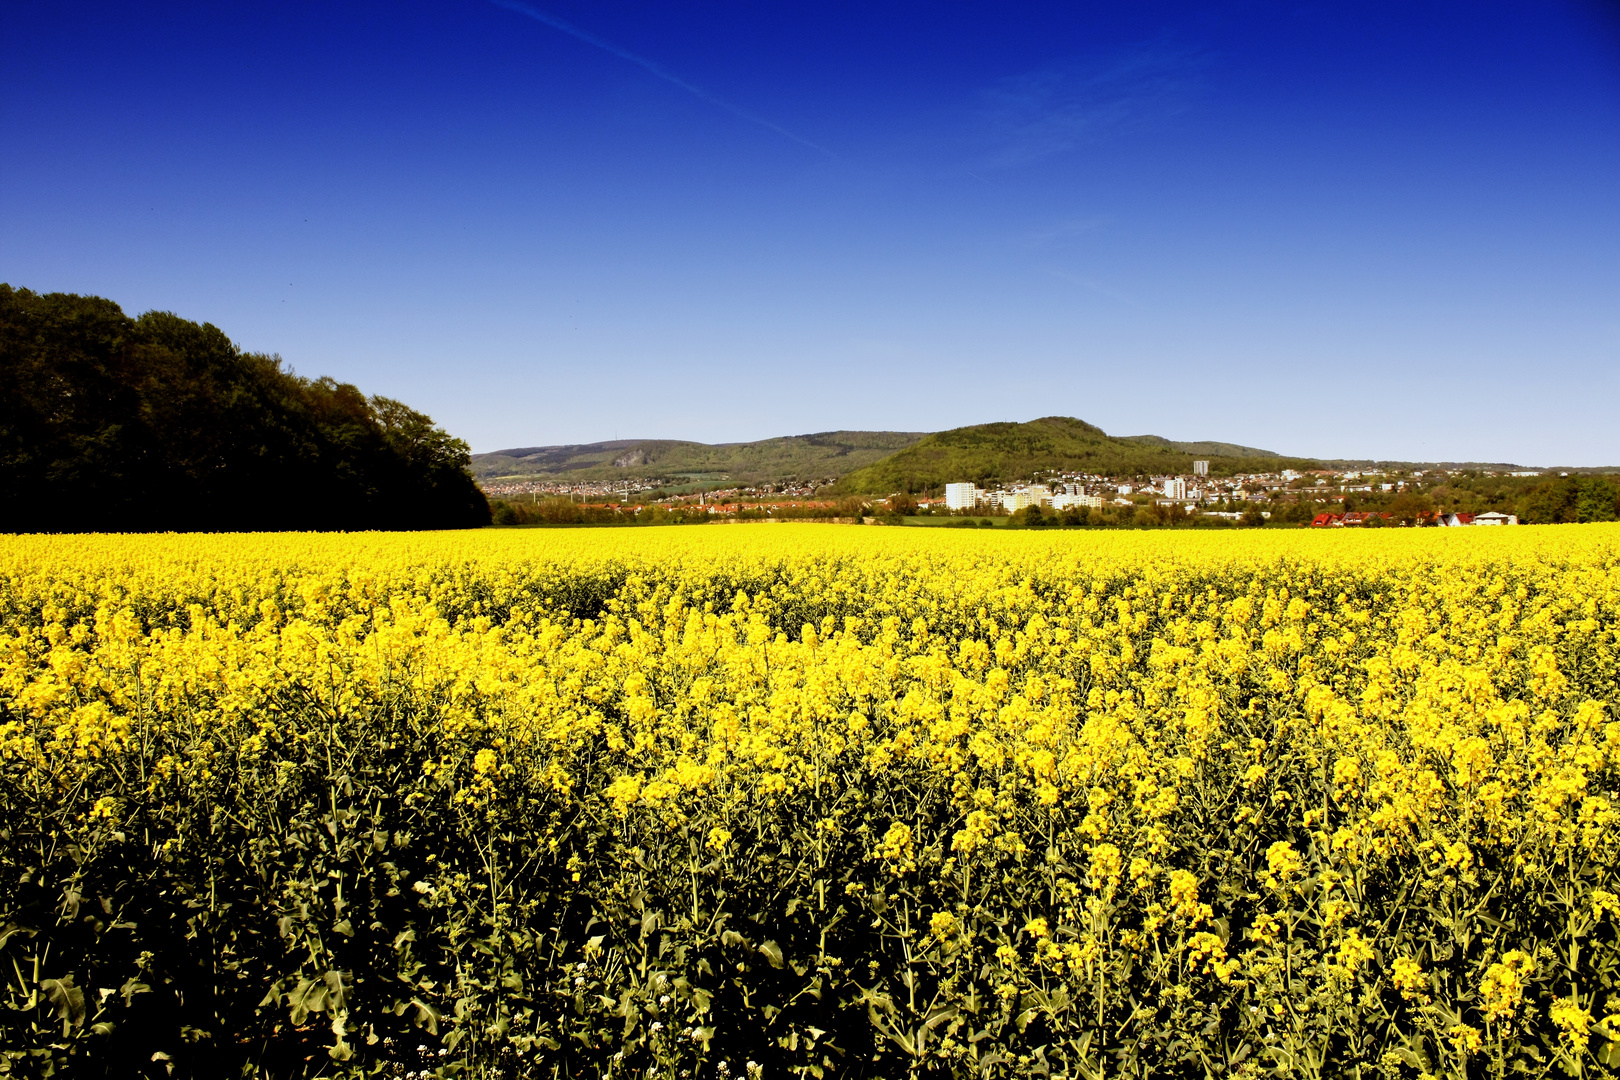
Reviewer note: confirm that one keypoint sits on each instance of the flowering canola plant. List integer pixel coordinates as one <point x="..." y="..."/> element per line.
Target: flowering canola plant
<point x="829" y="801"/>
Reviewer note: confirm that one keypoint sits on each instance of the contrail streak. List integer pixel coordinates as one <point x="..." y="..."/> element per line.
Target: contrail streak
<point x="642" y="62"/>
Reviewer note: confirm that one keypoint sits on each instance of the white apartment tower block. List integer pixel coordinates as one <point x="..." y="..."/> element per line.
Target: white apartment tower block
<point x="960" y="497"/>
<point x="1200" y="468"/>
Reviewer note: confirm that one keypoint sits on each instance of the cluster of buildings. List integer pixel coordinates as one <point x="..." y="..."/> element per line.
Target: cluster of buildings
<point x="1200" y="491"/>
<point x="791" y="489"/>
<point x="585" y="490"/>
<point x="1075" y="490"/>
<point x="1352" y="518"/>
<point x="604" y="491"/>
<point x="969" y="497"/>
<point x="1452" y="520"/>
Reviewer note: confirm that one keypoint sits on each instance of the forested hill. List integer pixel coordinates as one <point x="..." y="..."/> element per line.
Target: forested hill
<point x="112" y="423"/>
<point x="1005" y="452"/>
<point x="802" y="457"/>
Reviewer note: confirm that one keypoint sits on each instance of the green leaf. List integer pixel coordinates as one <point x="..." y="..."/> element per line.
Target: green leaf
<point x="134" y="986"/>
<point x="337" y="996"/>
<point x="67" y="999"/>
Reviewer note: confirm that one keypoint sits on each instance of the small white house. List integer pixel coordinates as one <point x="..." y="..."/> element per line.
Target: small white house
<point x="1488" y="518"/>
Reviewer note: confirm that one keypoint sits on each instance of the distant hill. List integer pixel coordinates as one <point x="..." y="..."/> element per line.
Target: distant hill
<point x="1371" y="464"/>
<point x="1205" y="449"/>
<point x="995" y="453"/>
<point x="880" y="462"/>
<point x="822" y="456"/>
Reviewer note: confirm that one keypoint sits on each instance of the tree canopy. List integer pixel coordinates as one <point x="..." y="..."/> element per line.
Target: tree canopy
<point x="1003" y="452"/>
<point x="112" y="423"/>
<point x="1571" y="499"/>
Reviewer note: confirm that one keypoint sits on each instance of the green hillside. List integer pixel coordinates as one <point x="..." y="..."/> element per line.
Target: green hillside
<point x="1203" y="449"/>
<point x="820" y="456"/>
<point x="988" y="454"/>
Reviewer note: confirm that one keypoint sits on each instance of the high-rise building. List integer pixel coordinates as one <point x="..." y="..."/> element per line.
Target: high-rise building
<point x="1175" y="487"/>
<point x="960" y="497"/>
<point x="1200" y="468"/>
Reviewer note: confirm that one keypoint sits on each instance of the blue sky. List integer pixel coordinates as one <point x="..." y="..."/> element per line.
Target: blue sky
<point x="1323" y="228"/>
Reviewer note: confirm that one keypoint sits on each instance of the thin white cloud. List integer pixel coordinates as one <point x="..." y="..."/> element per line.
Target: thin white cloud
<point x="650" y="66"/>
<point x="1059" y="233"/>
<point x="1093" y="285"/>
<point x="1045" y="112"/>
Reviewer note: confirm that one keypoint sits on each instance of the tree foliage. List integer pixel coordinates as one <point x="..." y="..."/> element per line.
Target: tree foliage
<point x="112" y="423"/>
<point x="792" y="457"/>
<point x="988" y="454"/>
<point x="1572" y="499"/>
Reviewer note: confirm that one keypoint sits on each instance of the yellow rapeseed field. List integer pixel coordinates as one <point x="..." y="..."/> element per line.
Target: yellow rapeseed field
<point x="812" y="800"/>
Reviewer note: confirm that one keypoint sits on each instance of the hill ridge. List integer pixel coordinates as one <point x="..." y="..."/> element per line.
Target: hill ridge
<point x="1007" y="451"/>
<point x="821" y="455"/>
<point x="881" y="462"/>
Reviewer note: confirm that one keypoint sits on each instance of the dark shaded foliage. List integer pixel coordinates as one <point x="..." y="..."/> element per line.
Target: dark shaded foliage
<point x="109" y="423"/>
<point x="1572" y="499"/>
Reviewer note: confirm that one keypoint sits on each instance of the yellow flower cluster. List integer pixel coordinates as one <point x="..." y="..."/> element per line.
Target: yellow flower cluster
<point x="1250" y="797"/>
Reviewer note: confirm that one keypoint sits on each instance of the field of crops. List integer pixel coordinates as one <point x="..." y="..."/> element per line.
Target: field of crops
<point x="799" y="800"/>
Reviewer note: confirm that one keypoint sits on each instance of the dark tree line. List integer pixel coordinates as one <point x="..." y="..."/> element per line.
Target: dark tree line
<point x="109" y="423"/>
<point x="1536" y="500"/>
<point x="1572" y="499"/>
